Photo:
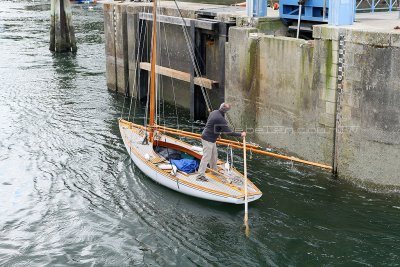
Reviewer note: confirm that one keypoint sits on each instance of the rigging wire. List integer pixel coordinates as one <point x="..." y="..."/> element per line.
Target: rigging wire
<point x="172" y="80"/>
<point x="148" y="91"/>
<point x="197" y="68"/>
<point x="139" y="33"/>
<point x="193" y="58"/>
<point x="157" y="76"/>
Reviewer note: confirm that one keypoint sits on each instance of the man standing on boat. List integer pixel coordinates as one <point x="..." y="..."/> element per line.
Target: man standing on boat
<point x="215" y="126"/>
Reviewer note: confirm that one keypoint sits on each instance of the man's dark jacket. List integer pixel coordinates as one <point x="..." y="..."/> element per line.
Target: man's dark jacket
<point x="216" y="125"/>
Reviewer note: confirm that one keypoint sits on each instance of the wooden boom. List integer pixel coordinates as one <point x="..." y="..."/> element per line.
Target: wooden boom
<point x="221" y="140"/>
<point x="234" y="144"/>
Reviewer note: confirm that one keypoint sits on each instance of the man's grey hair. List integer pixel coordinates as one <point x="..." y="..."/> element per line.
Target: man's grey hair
<point x="225" y="107"/>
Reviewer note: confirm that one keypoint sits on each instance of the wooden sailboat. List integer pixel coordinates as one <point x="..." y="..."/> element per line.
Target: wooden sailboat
<point x="222" y="186"/>
<point x="142" y="142"/>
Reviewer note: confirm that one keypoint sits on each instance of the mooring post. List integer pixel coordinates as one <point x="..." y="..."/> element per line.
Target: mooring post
<point x="341" y="12"/>
<point x="222" y="38"/>
<point x="256" y="8"/>
<point x="62" y="35"/>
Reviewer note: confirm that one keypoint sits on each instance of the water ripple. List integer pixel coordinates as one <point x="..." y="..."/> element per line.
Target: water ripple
<point x="69" y="194"/>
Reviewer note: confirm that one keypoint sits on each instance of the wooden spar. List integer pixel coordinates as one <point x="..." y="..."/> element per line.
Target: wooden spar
<point x="235" y="144"/>
<point x="153" y="71"/>
<point x="179" y="75"/>
<point x="255" y="150"/>
<point x="227" y="142"/>
<point x="246" y="208"/>
<point x="199" y="135"/>
<point x="294" y="159"/>
<point x="190" y="135"/>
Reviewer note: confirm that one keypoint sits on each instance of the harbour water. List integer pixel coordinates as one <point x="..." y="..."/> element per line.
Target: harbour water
<point x="69" y="194"/>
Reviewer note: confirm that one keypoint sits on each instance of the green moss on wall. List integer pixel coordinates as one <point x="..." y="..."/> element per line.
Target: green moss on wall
<point x="269" y="25"/>
<point x="251" y="90"/>
<point x="251" y="63"/>
<point x="328" y="63"/>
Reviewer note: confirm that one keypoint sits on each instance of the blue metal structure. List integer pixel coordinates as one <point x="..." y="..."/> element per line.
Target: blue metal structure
<point x="312" y="10"/>
<point x="258" y="8"/>
<point x="341" y="12"/>
<point x="335" y="12"/>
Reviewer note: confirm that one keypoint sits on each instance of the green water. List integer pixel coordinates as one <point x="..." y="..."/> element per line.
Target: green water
<point x="69" y="195"/>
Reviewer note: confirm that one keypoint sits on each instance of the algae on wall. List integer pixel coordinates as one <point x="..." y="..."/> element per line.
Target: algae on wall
<point x="279" y="97"/>
<point x="251" y="90"/>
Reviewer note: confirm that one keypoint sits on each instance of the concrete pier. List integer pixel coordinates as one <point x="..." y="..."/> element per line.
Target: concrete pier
<point x="127" y="42"/>
<point x="334" y="99"/>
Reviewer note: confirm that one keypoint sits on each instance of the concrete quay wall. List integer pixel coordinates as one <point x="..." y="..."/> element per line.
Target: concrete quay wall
<point x="286" y="91"/>
<point x="369" y="107"/>
<point x="125" y="37"/>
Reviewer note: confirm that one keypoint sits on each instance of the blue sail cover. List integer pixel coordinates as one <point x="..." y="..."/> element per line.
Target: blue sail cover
<point x="186" y="165"/>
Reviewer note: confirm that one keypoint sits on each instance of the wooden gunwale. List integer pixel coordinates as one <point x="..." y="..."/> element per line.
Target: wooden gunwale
<point x="173" y="178"/>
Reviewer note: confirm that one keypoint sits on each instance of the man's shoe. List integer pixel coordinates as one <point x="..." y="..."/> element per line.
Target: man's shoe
<point x="202" y="178"/>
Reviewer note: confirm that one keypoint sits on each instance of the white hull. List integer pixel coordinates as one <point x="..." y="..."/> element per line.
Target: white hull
<point x="215" y="190"/>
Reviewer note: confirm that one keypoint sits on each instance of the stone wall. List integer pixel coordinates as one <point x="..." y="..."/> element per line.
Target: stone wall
<point x="286" y="91"/>
<point x="122" y="32"/>
<point x="275" y="84"/>
<point x="369" y="139"/>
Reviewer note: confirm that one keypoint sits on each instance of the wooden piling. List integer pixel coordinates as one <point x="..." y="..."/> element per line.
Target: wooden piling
<point x="62" y="34"/>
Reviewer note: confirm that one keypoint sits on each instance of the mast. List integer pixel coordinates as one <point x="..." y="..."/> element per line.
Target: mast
<point x="153" y="71"/>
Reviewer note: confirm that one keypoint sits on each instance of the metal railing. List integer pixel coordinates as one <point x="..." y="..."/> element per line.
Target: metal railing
<point x="373" y="5"/>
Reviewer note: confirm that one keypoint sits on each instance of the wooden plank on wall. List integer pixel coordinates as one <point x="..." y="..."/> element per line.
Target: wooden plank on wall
<point x="201" y="24"/>
<point x="180" y="75"/>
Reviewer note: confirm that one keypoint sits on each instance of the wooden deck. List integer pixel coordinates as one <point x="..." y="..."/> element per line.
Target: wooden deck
<point x="226" y="182"/>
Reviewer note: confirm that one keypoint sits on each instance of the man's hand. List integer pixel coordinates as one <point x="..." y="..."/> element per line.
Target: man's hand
<point x="243" y="134"/>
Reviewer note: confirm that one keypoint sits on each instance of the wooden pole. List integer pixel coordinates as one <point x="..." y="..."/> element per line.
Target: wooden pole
<point x="233" y="144"/>
<point x="153" y="71"/>
<point x="246" y="208"/>
<point x="254" y="149"/>
<point x="62" y="34"/>
<point x="221" y="140"/>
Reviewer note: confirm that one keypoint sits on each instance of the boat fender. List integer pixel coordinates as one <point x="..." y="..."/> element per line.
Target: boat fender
<point x="165" y="166"/>
<point x="174" y="170"/>
<point x="227" y="167"/>
<point x="147" y="156"/>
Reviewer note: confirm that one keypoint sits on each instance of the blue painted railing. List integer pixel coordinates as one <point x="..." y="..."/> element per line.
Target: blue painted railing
<point x="258" y="8"/>
<point x="372" y="5"/>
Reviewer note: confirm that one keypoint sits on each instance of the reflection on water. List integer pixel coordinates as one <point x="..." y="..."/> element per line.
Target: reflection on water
<point x="69" y="194"/>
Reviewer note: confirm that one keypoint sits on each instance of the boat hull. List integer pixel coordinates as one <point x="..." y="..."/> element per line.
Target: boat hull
<point x="180" y="185"/>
